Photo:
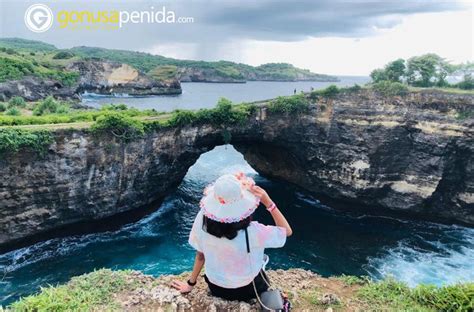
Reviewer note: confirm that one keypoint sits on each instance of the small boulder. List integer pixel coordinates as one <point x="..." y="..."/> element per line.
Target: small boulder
<point x="329" y="298"/>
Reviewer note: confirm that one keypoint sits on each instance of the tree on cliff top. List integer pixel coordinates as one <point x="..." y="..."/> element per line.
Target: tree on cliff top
<point x="393" y="71"/>
<point x="428" y="70"/>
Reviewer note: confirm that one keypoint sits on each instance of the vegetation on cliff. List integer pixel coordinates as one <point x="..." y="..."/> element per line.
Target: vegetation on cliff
<point x="130" y="123"/>
<point x="32" y="57"/>
<point x="15" y="65"/>
<point x="120" y="290"/>
<point x="428" y="70"/>
<point x="225" y="69"/>
<point x="12" y="140"/>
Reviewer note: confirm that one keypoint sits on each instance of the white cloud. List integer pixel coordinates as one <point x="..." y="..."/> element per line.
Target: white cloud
<point x="174" y="50"/>
<point x="449" y="34"/>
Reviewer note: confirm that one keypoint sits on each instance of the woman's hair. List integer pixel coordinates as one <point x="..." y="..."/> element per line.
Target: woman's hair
<point x="227" y="230"/>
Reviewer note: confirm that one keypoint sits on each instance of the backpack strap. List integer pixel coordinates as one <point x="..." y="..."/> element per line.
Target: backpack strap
<point x="247" y="240"/>
<point x="253" y="281"/>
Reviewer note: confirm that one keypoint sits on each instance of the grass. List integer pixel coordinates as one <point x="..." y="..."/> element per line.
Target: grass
<point x="443" y="90"/>
<point x="93" y="291"/>
<point x="164" y="72"/>
<point x="130" y="123"/>
<point x="351" y="280"/>
<point x="123" y="123"/>
<point x="289" y="104"/>
<point x="392" y="295"/>
<point x="97" y="291"/>
<point x="388" y="88"/>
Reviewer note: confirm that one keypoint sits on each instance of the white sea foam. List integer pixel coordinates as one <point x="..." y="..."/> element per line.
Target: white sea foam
<point x="446" y="264"/>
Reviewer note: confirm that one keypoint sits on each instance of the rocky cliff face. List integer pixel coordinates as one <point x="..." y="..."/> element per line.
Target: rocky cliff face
<point x="191" y="74"/>
<point x="94" y="76"/>
<point x="34" y="89"/>
<point x="229" y="75"/>
<point x="109" y="78"/>
<point x="410" y="155"/>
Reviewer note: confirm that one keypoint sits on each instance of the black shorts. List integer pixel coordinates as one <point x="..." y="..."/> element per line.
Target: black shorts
<point x="244" y="293"/>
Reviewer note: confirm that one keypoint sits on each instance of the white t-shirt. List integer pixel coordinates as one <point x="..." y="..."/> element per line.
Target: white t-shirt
<point x="227" y="262"/>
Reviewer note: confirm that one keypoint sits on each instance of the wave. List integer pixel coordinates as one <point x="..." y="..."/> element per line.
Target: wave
<point x="440" y="263"/>
<point x="90" y="95"/>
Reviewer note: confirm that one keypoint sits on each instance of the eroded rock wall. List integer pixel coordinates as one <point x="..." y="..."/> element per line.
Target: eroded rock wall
<point x="411" y="155"/>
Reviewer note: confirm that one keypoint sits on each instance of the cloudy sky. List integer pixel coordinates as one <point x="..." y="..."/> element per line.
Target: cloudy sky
<point x="335" y="37"/>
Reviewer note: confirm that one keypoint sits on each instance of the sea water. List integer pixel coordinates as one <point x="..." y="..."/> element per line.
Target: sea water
<point x="325" y="240"/>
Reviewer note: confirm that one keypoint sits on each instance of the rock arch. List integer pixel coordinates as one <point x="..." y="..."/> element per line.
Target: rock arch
<point x="397" y="155"/>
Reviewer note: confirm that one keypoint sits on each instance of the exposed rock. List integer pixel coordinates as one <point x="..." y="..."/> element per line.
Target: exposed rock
<point x="35" y="88"/>
<point x="411" y="156"/>
<point x="329" y="299"/>
<point x="140" y="292"/>
<point x="111" y="78"/>
<point x="156" y="293"/>
<point x="94" y="76"/>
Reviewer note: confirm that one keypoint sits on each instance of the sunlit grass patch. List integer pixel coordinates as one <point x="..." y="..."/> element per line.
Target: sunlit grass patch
<point x="392" y="295"/>
<point x="93" y="291"/>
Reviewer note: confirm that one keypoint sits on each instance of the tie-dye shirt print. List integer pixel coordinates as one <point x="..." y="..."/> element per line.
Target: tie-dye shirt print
<point x="227" y="262"/>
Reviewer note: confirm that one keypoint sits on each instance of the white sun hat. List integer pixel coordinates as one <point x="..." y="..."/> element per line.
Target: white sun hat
<point x="228" y="199"/>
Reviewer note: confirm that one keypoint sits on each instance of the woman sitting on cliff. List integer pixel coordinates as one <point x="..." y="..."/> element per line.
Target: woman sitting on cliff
<point x="219" y="236"/>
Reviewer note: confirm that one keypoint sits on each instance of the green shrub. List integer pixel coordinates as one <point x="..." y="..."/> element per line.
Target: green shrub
<point x="329" y="91"/>
<point x="3" y="107"/>
<point x="65" y="77"/>
<point x="13" y="111"/>
<point x="63" y="55"/>
<point x="289" y="104"/>
<point x="225" y="113"/>
<point x="12" y="69"/>
<point x="354" y="280"/>
<point x="181" y="118"/>
<point x="62" y="109"/>
<point x="388" y="88"/>
<point x="50" y="106"/>
<point x="12" y="140"/>
<point x="119" y="125"/>
<point x="467" y="83"/>
<point x="17" y="101"/>
<point x="354" y="88"/>
<point x="114" y="107"/>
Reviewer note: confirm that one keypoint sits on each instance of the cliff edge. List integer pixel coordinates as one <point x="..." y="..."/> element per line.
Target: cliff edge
<point x="106" y="290"/>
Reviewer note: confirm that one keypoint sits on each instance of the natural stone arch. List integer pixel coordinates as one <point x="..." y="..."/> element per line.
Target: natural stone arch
<point x="357" y="149"/>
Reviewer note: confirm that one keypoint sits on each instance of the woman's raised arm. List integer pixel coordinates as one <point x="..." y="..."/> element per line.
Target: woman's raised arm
<point x="277" y="216"/>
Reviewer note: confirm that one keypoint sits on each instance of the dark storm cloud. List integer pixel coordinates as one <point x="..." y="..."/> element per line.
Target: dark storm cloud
<point x="289" y="20"/>
<point x="219" y="22"/>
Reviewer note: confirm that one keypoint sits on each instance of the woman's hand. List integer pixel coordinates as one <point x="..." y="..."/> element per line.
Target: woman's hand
<point x="262" y="194"/>
<point x="183" y="287"/>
